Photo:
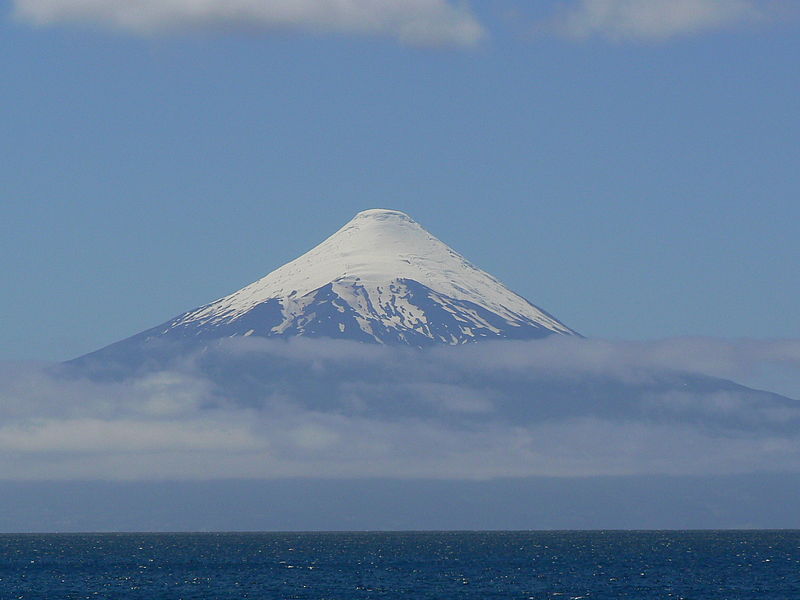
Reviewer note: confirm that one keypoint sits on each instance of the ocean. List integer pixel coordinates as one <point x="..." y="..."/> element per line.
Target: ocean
<point x="562" y="565"/>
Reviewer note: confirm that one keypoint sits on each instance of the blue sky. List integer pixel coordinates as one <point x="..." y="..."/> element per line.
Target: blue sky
<point x="632" y="169"/>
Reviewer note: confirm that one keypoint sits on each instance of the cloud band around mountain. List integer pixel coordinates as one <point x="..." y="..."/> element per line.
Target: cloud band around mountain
<point x="336" y="409"/>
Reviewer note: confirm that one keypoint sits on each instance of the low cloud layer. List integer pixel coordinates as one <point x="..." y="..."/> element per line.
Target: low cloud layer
<point x="417" y="22"/>
<point x="325" y="408"/>
<point x="652" y="20"/>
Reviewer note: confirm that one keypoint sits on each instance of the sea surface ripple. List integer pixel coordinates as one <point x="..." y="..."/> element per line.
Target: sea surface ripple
<point x="591" y="565"/>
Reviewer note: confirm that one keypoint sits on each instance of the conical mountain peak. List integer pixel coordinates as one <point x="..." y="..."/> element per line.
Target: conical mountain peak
<point x="381" y="278"/>
<point x="368" y="266"/>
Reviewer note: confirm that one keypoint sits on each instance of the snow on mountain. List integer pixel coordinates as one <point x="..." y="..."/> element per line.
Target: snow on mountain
<point x="385" y="270"/>
<point x="380" y="278"/>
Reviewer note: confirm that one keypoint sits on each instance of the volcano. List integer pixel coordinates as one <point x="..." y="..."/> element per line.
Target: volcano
<point x="382" y="278"/>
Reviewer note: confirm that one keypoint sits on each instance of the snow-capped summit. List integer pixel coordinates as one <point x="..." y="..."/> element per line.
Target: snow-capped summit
<point x="380" y="278"/>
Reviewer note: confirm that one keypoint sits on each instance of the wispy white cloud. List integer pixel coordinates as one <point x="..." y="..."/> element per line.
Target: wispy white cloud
<point x="651" y="20"/>
<point x="417" y="22"/>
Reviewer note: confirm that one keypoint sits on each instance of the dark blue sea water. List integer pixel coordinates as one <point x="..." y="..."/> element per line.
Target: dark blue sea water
<point x="701" y="565"/>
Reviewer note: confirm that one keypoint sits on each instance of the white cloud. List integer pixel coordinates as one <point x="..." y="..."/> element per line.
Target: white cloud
<point x="327" y="408"/>
<point x="417" y="22"/>
<point x="746" y="361"/>
<point x="654" y="20"/>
